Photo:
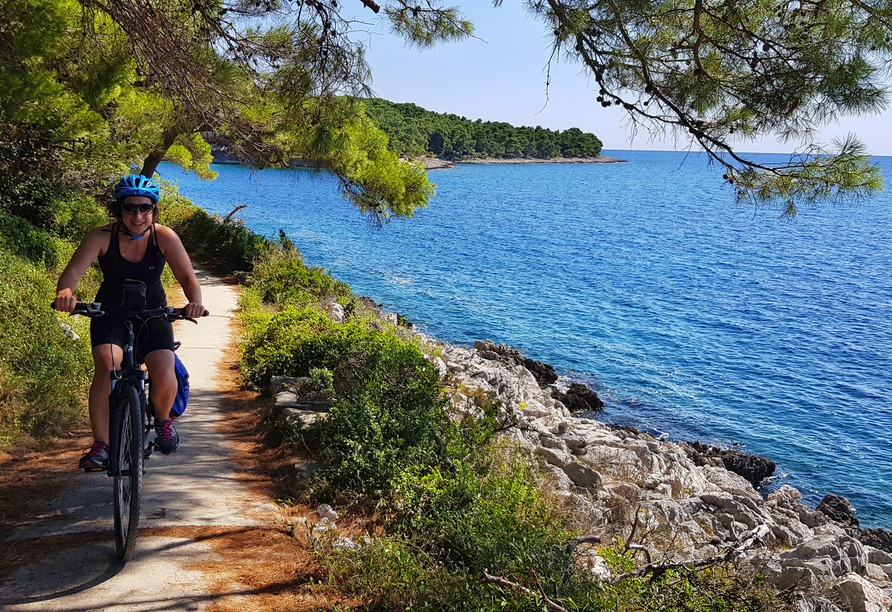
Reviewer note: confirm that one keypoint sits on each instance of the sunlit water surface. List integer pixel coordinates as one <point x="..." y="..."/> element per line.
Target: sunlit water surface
<point x="692" y="317"/>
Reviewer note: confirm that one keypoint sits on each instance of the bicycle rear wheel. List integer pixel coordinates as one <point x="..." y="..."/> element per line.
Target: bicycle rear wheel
<point x="127" y="469"/>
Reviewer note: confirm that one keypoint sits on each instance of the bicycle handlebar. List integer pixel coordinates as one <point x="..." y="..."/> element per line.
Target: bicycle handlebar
<point x="96" y="309"/>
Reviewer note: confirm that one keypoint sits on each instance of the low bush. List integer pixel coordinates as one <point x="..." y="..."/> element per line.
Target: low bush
<point x="390" y="410"/>
<point x="20" y="237"/>
<point x="718" y="588"/>
<point x="288" y="343"/>
<point x="445" y="528"/>
<point x="280" y="276"/>
<point x="44" y="372"/>
<point x="389" y="418"/>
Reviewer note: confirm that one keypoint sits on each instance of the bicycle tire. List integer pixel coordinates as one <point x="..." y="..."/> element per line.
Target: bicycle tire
<point x="127" y="468"/>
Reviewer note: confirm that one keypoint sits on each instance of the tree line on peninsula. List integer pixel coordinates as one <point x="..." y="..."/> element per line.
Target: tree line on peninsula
<point x="414" y="131"/>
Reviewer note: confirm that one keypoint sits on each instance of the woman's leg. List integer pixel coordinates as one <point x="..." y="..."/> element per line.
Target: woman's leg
<point x="105" y="358"/>
<point x="160" y="365"/>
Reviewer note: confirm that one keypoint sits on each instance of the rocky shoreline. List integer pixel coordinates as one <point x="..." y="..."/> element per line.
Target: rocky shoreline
<point x="681" y="501"/>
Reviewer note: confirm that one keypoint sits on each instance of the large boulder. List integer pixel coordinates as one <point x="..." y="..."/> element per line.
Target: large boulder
<point x="839" y="509"/>
<point x="878" y="538"/>
<point x="860" y="595"/>
<point x="752" y="467"/>
<point x="583" y="476"/>
<point x="578" y="398"/>
<point x="487" y="349"/>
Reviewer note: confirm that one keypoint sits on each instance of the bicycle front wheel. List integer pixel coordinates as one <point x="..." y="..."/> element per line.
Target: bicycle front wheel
<point x="127" y="469"/>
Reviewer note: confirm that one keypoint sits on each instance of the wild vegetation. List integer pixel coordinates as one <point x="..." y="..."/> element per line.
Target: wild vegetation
<point x="458" y="518"/>
<point x="414" y="131"/>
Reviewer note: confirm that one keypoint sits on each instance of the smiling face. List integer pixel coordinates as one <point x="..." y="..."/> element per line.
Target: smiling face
<point x="137" y="214"/>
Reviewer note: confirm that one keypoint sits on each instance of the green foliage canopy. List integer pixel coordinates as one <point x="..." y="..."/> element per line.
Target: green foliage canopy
<point x="272" y="82"/>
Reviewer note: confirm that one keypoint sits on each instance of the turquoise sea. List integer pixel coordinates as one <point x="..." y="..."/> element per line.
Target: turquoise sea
<point x="693" y="318"/>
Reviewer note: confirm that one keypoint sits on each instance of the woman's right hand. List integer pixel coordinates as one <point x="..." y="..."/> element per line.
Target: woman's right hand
<point x="65" y="302"/>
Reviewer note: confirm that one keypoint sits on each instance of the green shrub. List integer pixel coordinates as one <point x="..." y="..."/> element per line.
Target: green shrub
<point x="78" y="214"/>
<point x="390" y="416"/>
<point x="280" y="276"/>
<point x="285" y="344"/>
<point x="718" y="588"/>
<point x="44" y="373"/>
<point x="447" y="527"/>
<point x="23" y="239"/>
<point x="225" y="245"/>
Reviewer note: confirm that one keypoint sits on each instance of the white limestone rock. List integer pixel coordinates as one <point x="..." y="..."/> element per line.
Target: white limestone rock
<point x="335" y="312"/>
<point x="553" y="456"/>
<point x="441" y="366"/>
<point x="583" y="476"/>
<point x="859" y="595"/>
<point x="560" y="479"/>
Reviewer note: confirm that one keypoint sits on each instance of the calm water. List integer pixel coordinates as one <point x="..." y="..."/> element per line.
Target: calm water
<point x="692" y="317"/>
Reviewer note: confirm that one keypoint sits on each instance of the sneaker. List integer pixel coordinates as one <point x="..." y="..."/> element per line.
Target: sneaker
<point x="167" y="440"/>
<point x="96" y="459"/>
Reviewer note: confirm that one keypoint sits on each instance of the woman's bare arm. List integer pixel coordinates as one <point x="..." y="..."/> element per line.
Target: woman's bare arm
<point x="92" y="246"/>
<point x="178" y="259"/>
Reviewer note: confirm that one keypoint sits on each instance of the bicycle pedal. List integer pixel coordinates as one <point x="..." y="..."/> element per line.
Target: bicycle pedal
<point x="93" y="469"/>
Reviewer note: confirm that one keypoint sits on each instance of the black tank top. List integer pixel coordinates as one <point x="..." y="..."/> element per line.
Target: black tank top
<point x="116" y="269"/>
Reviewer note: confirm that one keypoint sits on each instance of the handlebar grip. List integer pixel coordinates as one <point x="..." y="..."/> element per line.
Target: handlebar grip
<point x="83" y="308"/>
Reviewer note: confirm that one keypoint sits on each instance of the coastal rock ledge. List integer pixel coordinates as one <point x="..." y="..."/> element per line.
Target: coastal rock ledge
<point x="684" y="500"/>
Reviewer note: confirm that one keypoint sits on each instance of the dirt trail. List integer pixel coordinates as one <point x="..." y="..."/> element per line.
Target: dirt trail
<point x="190" y="497"/>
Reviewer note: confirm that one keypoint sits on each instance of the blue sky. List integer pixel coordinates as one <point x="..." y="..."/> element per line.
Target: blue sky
<point x="502" y="78"/>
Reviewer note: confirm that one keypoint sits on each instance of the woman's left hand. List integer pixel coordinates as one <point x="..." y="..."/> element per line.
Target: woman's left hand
<point x="195" y="310"/>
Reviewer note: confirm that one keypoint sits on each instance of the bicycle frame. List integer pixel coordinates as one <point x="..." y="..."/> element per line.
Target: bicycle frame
<point x="130" y="422"/>
<point x="130" y="373"/>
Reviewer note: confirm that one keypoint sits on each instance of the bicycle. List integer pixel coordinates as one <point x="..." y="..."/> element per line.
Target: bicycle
<point x="130" y="422"/>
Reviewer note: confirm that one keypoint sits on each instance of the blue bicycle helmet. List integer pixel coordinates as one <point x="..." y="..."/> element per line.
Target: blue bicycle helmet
<point x="137" y="185"/>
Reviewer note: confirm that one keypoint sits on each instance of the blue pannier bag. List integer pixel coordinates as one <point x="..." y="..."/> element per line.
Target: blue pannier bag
<point x="182" y="397"/>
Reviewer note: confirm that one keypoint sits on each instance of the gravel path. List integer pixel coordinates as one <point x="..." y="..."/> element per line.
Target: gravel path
<point x="194" y="491"/>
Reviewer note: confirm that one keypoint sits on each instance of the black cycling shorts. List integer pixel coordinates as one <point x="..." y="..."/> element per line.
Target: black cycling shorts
<point x="149" y="335"/>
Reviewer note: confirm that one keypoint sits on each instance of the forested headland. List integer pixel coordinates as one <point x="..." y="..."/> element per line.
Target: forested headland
<point x="415" y="131"/>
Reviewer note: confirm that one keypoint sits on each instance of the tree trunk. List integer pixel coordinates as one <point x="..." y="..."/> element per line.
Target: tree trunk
<point x="150" y="165"/>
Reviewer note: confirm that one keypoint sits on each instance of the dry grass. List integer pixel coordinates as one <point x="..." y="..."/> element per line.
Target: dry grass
<point x="31" y="474"/>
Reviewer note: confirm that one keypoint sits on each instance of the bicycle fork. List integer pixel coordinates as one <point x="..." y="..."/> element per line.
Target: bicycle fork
<point x="136" y="377"/>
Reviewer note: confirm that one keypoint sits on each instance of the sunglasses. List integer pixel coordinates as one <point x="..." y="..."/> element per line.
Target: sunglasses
<point x="130" y="209"/>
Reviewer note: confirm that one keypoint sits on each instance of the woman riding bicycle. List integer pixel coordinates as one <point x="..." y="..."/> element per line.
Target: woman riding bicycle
<point x="134" y="247"/>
